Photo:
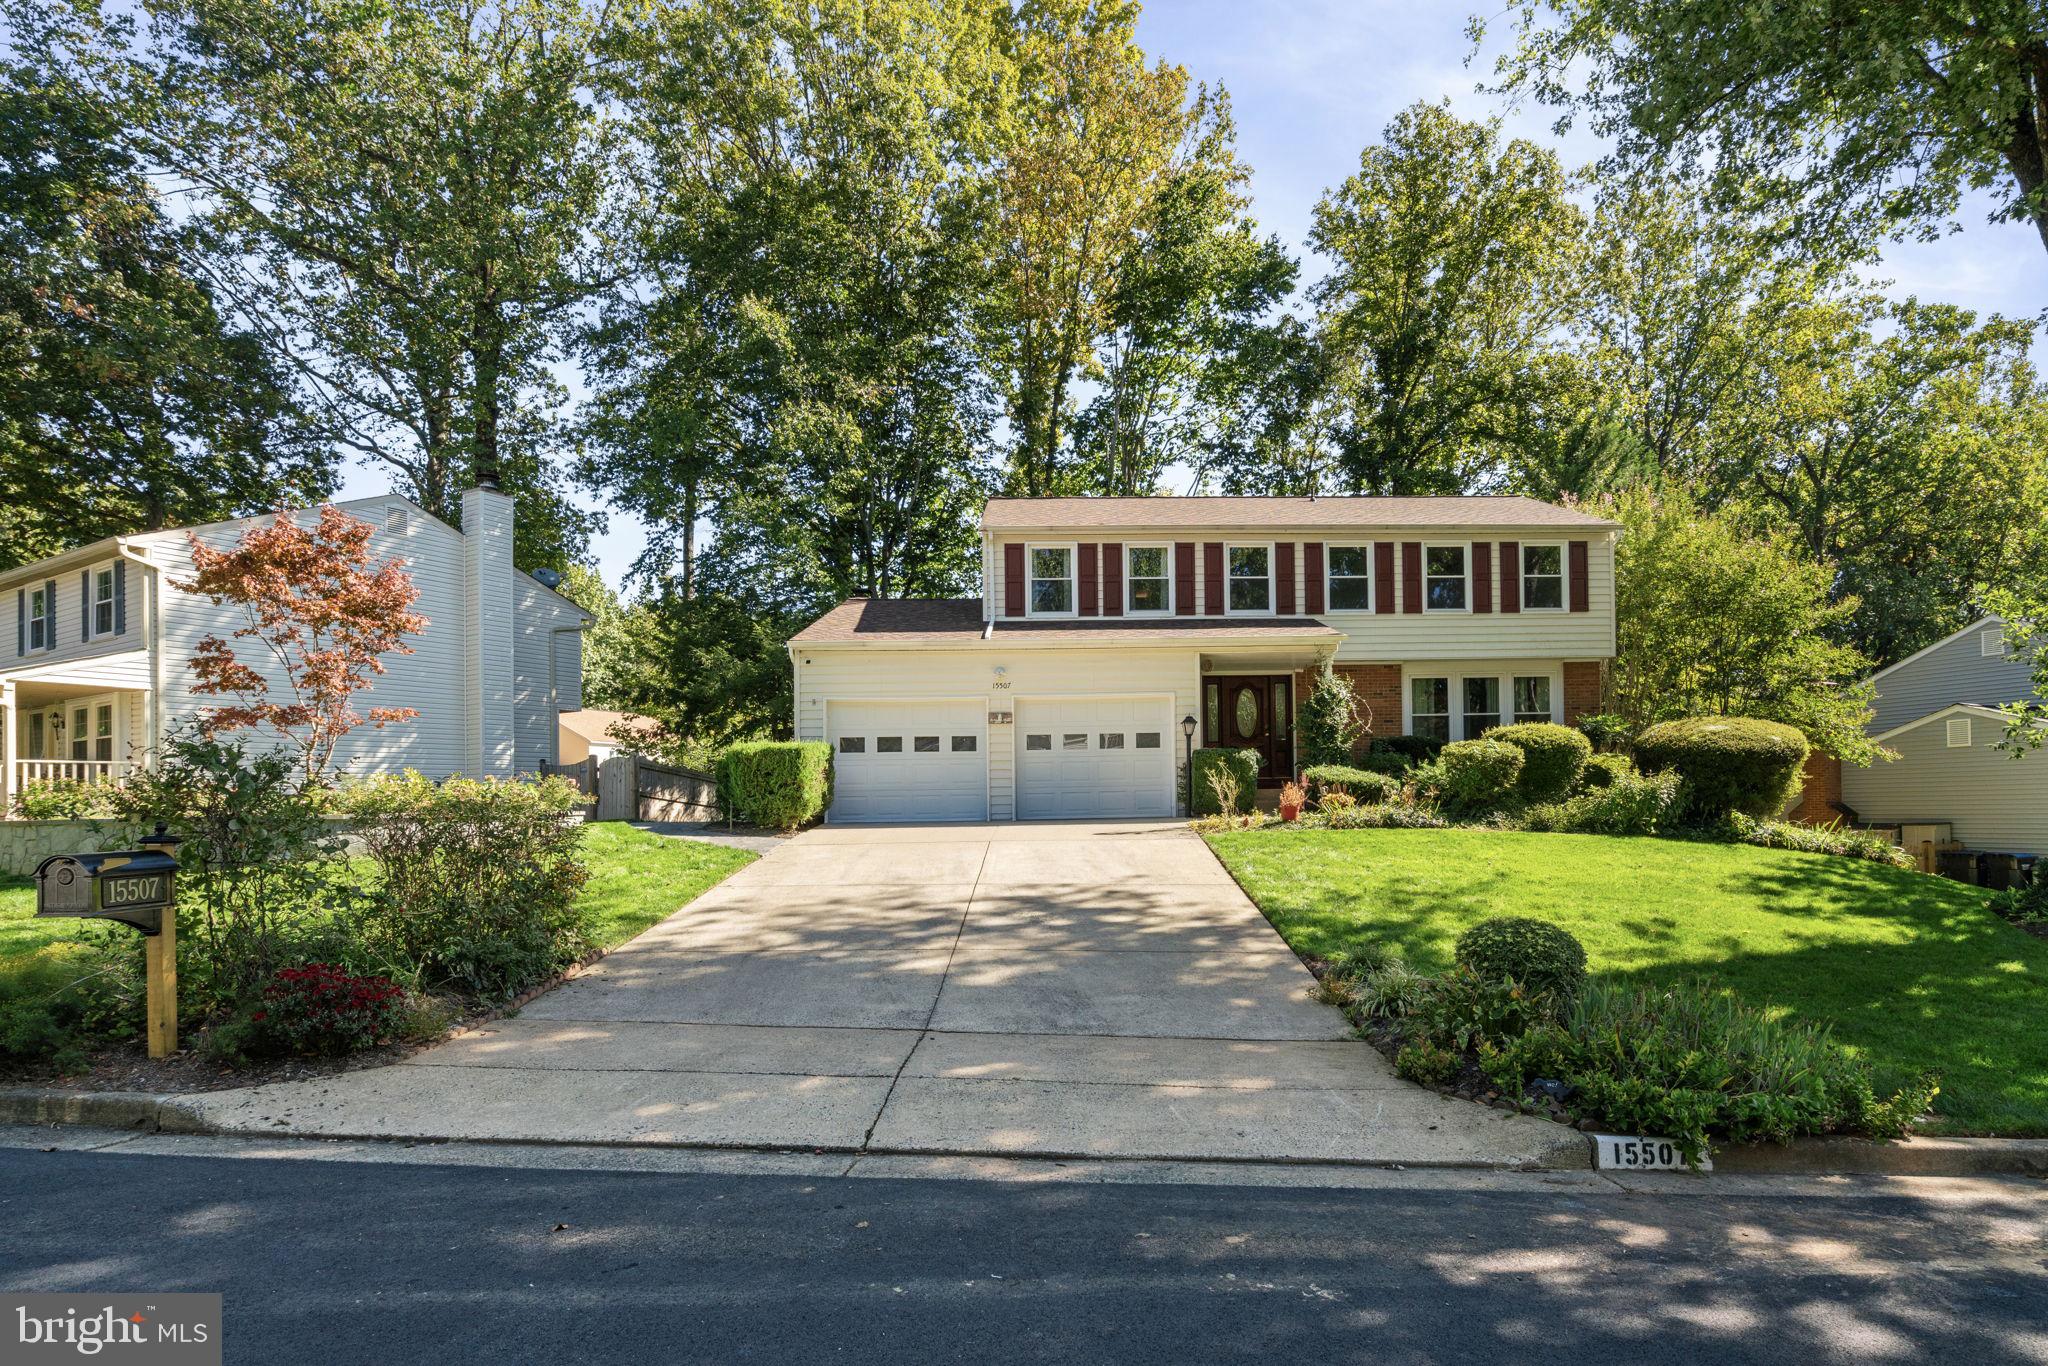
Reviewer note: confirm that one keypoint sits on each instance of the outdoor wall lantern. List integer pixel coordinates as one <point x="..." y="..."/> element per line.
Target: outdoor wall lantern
<point x="1187" y="730"/>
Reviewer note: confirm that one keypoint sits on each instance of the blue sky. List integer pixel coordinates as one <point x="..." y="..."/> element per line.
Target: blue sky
<point x="1314" y="81"/>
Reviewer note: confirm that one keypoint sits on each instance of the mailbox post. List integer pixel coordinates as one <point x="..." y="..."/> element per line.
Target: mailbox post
<point x="137" y="887"/>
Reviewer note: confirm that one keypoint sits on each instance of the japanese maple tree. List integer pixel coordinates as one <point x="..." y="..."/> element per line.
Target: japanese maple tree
<point x="327" y="613"/>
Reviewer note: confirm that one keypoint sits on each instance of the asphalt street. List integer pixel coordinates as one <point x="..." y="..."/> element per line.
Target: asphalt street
<point x="374" y="1261"/>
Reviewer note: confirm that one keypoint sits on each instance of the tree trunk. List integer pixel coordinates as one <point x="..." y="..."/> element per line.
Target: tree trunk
<point x="690" y="538"/>
<point x="487" y="356"/>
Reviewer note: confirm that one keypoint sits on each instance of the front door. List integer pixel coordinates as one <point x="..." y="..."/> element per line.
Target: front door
<point x="1252" y="711"/>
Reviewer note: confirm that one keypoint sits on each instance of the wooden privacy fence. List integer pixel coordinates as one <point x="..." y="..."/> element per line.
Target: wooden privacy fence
<point x="583" y="773"/>
<point x="630" y="788"/>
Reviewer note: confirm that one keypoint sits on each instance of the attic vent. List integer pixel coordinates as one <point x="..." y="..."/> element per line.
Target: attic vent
<point x="394" y="519"/>
<point x="1959" y="732"/>
<point x="1992" y="644"/>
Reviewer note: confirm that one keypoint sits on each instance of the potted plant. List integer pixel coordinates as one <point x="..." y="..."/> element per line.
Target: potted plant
<point x="1291" y="798"/>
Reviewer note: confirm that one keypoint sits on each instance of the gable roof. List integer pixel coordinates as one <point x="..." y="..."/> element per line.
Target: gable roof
<point x="594" y="724"/>
<point x="959" y="621"/>
<point x="1939" y="713"/>
<point x="1925" y="650"/>
<point x="1044" y="514"/>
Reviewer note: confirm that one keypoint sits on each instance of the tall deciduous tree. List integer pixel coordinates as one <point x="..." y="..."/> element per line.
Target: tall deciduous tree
<point x="130" y="403"/>
<point x="324" y="613"/>
<point x="405" y="193"/>
<point x="1455" y="257"/>
<point x="1851" y="115"/>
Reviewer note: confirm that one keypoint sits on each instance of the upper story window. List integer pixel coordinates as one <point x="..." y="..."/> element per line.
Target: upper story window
<point x="1542" y="577"/>
<point x="41" y="629"/>
<point x="103" y="601"/>
<point x="1443" y="578"/>
<point x="1249" y="569"/>
<point x="1350" y="576"/>
<point x="1052" y="580"/>
<point x="1148" y="587"/>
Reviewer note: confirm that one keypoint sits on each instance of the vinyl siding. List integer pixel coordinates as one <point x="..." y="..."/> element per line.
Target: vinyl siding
<point x="1388" y="638"/>
<point x="546" y="672"/>
<point x="825" y="674"/>
<point x="69" y="641"/>
<point x="1957" y="671"/>
<point x="1994" y="802"/>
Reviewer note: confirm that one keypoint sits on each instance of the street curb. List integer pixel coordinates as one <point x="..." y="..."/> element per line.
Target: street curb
<point x="1906" y="1157"/>
<point x="90" y="1109"/>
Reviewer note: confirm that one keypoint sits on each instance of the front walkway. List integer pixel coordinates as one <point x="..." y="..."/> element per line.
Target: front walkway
<point x="1100" y="990"/>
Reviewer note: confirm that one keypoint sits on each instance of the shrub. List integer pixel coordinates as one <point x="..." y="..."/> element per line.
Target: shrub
<point x="2026" y="904"/>
<point x="1821" y="839"/>
<point x="1602" y="769"/>
<point x="1729" y="763"/>
<point x="1426" y="1064"/>
<point x="1478" y="775"/>
<point x="1378" y="816"/>
<point x="1391" y="764"/>
<point x="1416" y="749"/>
<point x="1234" y="771"/>
<point x="1327" y="727"/>
<point x="1391" y="992"/>
<point x="1631" y="803"/>
<point x="63" y="799"/>
<point x="1606" y="732"/>
<point x="319" y="1008"/>
<point x="480" y="879"/>
<point x="1552" y="758"/>
<point x="1464" y="1009"/>
<point x="780" y="784"/>
<point x="1535" y="953"/>
<point x="1360" y="784"/>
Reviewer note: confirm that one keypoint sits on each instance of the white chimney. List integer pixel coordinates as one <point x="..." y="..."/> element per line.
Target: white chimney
<point x="487" y="633"/>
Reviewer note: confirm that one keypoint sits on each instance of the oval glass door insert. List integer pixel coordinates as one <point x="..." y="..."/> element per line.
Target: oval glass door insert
<point x="1247" y="712"/>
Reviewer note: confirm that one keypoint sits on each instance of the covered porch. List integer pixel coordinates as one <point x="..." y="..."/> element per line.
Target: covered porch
<point x="1249" y="699"/>
<point x="84" y="723"/>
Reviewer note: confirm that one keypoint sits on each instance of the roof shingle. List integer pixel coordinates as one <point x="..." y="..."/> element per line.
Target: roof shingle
<point x="1035" y="514"/>
<point x="958" y="621"/>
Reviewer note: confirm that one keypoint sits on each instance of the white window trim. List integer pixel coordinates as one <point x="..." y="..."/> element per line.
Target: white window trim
<point x="1272" y="598"/>
<point x="1950" y="731"/>
<point x="1166" y="547"/>
<point x="1505" y="675"/>
<point x="1330" y="576"/>
<point x="1452" y="720"/>
<point x="113" y="589"/>
<point x="1465" y="549"/>
<point x="1564" y="587"/>
<point x="46" y="619"/>
<point x="1073" y="549"/>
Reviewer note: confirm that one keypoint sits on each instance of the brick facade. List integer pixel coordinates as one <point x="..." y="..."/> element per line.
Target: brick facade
<point x="1582" y="688"/>
<point x="1816" y="804"/>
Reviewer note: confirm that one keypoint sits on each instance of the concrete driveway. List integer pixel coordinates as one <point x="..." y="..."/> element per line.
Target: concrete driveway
<point x="1098" y="990"/>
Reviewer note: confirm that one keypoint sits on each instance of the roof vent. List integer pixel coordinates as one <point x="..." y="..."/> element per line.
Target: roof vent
<point x="548" y="578"/>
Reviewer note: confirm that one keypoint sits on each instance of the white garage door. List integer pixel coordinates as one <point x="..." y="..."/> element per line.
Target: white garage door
<point x="908" y="761"/>
<point x="1099" y="757"/>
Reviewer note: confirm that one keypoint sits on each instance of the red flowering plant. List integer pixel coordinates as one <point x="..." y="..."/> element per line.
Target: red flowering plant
<point x="321" y="1008"/>
<point x="323" y="611"/>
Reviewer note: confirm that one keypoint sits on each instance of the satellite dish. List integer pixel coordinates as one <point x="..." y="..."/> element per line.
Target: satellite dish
<point x="548" y="578"/>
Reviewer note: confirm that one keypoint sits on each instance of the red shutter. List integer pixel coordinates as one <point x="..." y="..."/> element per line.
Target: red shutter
<point x="1383" y="577"/>
<point x="1312" y="573"/>
<point x="1581" y="576"/>
<point x="1482" y="576"/>
<point x="1283" y="578"/>
<point x="1411" y="576"/>
<point x="1112" y="579"/>
<point x="1510" y="576"/>
<point x="1013" y="579"/>
<point x="1212" y="577"/>
<point x="1183" y="578"/>
<point x="1087" y="585"/>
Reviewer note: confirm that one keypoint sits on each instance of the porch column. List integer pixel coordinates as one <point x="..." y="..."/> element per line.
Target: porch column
<point x="10" y="749"/>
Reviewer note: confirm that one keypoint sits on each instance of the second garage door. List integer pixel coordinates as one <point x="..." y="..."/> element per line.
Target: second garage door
<point x="908" y="761"/>
<point x="1094" y="757"/>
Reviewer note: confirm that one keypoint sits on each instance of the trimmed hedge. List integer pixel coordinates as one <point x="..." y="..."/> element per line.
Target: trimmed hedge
<point x="1552" y="757"/>
<point x="1602" y="769"/>
<point x="1608" y="733"/>
<point x="1242" y="764"/>
<point x="1361" y="783"/>
<point x="1729" y="763"/>
<point x="1416" y="749"/>
<point x="1536" y="953"/>
<point x="781" y="784"/>
<point x="1479" y="774"/>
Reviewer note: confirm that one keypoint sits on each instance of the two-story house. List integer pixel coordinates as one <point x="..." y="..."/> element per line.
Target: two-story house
<point x="99" y="671"/>
<point x="1114" y="634"/>
<point x="1937" y="710"/>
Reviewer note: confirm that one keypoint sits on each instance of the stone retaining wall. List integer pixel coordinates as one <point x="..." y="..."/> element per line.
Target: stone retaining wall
<point x="24" y="844"/>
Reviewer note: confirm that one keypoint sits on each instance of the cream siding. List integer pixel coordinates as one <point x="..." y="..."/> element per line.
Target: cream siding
<point x="863" y="673"/>
<point x="1374" y="637"/>
<point x="1994" y="802"/>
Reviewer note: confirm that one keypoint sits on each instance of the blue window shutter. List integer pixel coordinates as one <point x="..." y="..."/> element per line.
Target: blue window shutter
<point x="49" y="614"/>
<point x="120" y="597"/>
<point x="85" y="604"/>
<point x="20" y="621"/>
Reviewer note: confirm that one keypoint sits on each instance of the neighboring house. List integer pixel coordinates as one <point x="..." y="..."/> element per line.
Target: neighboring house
<point x="1937" y="710"/>
<point x="587" y="734"/>
<point x="1107" y="625"/>
<point x="99" y="674"/>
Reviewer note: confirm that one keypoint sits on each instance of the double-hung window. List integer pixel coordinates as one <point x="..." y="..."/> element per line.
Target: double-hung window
<point x="1052" y="580"/>
<point x="1250" y="572"/>
<point x="1148" y="585"/>
<point x="1482" y="706"/>
<point x="1532" y="698"/>
<point x="41" y="630"/>
<point x="1443" y="578"/>
<point x="103" y="602"/>
<point x="1542" y="577"/>
<point x="1350" y="578"/>
<point x="1429" y="708"/>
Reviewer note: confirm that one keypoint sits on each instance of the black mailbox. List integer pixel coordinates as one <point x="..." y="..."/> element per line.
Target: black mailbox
<point x="133" y="886"/>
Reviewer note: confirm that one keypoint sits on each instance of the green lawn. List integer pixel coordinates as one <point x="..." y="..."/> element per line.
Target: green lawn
<point x="1914" y="973"/>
